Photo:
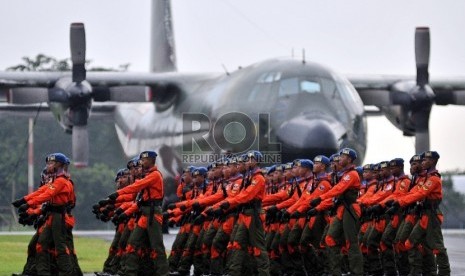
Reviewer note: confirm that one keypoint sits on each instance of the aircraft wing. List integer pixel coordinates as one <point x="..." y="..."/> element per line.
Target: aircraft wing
<point x="123" y="85"/>
<point x="385" y="90"/>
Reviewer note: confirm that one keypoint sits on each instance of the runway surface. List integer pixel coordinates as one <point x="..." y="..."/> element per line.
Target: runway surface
<point x="454" y="241"/>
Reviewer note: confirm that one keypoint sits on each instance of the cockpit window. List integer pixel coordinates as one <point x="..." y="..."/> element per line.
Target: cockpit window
<point x="289" y="87"/>
<point x="293" y="86"/>
<point x="269" y="77"/>
<point x="310" y="87"/>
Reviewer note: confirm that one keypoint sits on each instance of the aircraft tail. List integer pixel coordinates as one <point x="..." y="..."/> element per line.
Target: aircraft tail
<point x="162" y="50"/>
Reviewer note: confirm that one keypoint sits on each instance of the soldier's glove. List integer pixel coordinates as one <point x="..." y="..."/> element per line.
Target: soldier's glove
<point x="195" y="206"/>
<point x="106" y="212"/>
<point x="123" y="217"/>
<point x="225" y="205"/>
<point x="113" y="196"/>
<point x="315" y="202"/>
<point x="394" y="208"/>
<point x="210" y="211"/>
<point x="115" y="220"/>
<point x="389" y="203"/>
<point x="279" y="215"/>
<point x="23" y="215"/>
<point x="23" y="208"/>
<point x="104" y="202"/>
<point x="199" y="219"/>
<point x="172" y="206"/>
<point x="118" y="211"/>
<point x="296" y="215"/>
<point x="286" y="216"/>
<point x="376" y="209"/>
<point x="104" y="218"/>
<point x="312" y="212"/>
<point x="22" y="221"/>
<point x="218" y="212"/>
<point x="18" y="202"/>
<point x="183" y="207"/>
<point x="272" y="210"/>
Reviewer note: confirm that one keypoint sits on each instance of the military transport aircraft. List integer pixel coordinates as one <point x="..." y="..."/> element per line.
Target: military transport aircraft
<point x="292" y="107"/>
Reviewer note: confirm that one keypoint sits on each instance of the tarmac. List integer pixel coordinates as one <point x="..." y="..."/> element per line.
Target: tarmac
<point x="454" y="241"/>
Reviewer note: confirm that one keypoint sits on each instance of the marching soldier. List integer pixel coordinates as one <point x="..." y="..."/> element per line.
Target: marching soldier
<point x="427" y="229"/>
<point x="249" y="232"/>
<point x="345" y="225"/>
<point x="58" y="193"/>
<point x="148" y="229"/>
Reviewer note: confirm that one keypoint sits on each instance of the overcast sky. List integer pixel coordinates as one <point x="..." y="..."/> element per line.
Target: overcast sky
<point x="351" y="37"/>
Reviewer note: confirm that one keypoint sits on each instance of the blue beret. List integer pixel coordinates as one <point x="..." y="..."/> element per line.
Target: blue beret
<point x="279" y="168"/>
<point x="271" y="169"/>
<point x="288" y="166"/>
<point x="384" y="164"/>
<point x="120" y="173"/>
<point x="188" y="169"/>
<point x="430" y="154"/>
<point x="255" y="154"/>
<point x="265" y="170"/>
<point x="133" y="162"/>
<point x="242" y="158"/>
<point x="359" y="169"/>
<point x="350" y="152"/>
<point x="304" y="163"/>
<point x="199" y="171"/>
<point x="57" y="157"/>
<point x="334" y="158"/>
<point x="415" y="158"/>
<point x="322" y="159"/>
<point x="148" y="154"/>
<point x="396" y="162"/>
<point x="368" y="167"/>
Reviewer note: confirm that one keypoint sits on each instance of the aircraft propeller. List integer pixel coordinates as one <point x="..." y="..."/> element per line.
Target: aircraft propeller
<point x="71" y="98"/>
<point x="422" y="96"/>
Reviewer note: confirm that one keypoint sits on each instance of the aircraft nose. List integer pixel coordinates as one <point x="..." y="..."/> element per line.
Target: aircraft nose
<point x="306" y="138"/>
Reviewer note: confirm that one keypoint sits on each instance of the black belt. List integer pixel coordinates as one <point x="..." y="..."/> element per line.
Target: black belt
<point x="428" y="205"/>
<point x="155" y="202"/>
<point x="252" y="205"/>
<point x="56" y="209"/>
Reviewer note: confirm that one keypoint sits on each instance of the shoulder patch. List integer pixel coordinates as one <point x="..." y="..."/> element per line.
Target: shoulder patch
<point x="322" y="187"/>
<point x="50" y="186"/>
<point x="388" y="187"/>
<point x="346" y="177"/>
<point x="402" y="186"/>
<point x="428" y="183"/>
<point x="253" y="183"/>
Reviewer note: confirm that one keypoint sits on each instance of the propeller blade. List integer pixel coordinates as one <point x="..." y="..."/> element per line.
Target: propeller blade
<point x="421" y="120"/>
<point x="422" y="49"/>
<point x="78" y="51"/>
<point x="27" y="95"/>
<point x="80" y="144"/>
<point x="421" y="141"/>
